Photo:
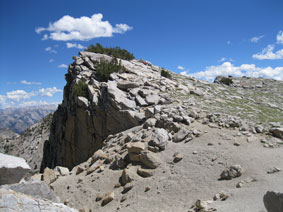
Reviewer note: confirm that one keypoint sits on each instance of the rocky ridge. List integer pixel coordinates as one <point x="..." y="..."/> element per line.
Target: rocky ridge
<point x="142" y="142"/>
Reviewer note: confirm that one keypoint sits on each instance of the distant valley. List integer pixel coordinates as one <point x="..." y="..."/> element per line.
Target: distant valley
<point x="19" y="119"/>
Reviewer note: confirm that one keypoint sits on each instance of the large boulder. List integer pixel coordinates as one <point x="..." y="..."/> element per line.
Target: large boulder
<point x="36" y="189"/>
<point x="12" y="169"/>
<point x="273" y="201"/>
<point x="277" y="132"/>
<point x="14" y="201"/>
<point x="159" y="138"/>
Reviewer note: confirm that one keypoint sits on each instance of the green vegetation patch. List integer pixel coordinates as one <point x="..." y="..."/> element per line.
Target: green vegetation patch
<point x="226" y="81"/>
<point x="80" y="89"/>
<point x="166" y="74"/>
<point x="116" y="52"/>
<point x="104" y="69"/>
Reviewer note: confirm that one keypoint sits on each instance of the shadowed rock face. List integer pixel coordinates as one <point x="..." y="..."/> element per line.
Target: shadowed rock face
<point x="273" y="201"/>
<point x="12" y="169"/>
<point x="81" y="123"/>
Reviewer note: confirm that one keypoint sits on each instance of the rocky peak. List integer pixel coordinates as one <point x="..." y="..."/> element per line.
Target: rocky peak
<point x="82" y="122"/>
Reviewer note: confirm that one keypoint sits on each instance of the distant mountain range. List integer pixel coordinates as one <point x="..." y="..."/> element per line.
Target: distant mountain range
<point x="19" y="119"/>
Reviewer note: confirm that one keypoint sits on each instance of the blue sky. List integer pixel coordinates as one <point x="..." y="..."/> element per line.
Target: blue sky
<point x="202" y="38"/>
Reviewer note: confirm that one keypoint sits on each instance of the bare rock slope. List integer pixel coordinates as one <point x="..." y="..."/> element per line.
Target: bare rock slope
<point x="143" y="142"/>
<point x="29" y="145"/>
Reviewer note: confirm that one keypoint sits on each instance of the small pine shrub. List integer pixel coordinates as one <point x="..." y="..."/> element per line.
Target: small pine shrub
<point x="116" y="52"/>
<point x="226" y="81"/>
<point x="166" y="74"/>
<point x="104" y="69"/>
<point x="80" y="89"/>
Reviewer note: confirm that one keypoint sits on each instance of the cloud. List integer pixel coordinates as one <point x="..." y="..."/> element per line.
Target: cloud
<point x="268" y="54"/>
<point x="45" y="37"/>
<point x="51" y="60"/>
<point x="30" y="83"/>
<point x="228" y="42"/>
<point x="49" y="91"/>
<point x="181" y="68"/>
<point x="20" y="98"/>
<point x="256" y="39"/>
<point x="62" y="66"/>
<point x="279" y="37"/>
<point x="75" y="45"/>
<point x="184" y="73"/>
<point x="36" y="103"/>
<point x="50" y="50"/>
<point x="3" y="103"/>
<point x="19" y="95"/>
<point x="249" y="70"/>
<point x="225" y="59"/>
<point x="84" y="28"/>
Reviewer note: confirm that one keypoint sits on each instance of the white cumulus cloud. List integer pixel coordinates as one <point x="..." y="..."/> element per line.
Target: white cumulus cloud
<point x="50" y="50"/>
<point x="279" y="37"/>
<point x="49" y="91"/>
<point x="84" y="28"/>
<point x="249" y="70"/>
<point x="256" y="38"/>
<point x="181" y="68"/>
<point x="30" y="83"/>
<point x="18" y="95"/>
<point x="75" y="45"/>
<point x="268" y="54"/>
<point x="62" y="66"/>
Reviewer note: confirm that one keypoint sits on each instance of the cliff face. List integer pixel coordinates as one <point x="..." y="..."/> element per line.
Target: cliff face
<point x="81" y="123"/>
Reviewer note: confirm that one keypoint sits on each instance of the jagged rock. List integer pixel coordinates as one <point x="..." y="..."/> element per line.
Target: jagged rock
<point x="82" y="102"/>
<point x="99" y="154"/>
<point x="12" y="169"/>
<point x="13" y="201"/>
<point x="79" y="170"/>
<point x="149" y="112"/>
<point x="50" y="176"/>
<point x="200" y="204"/>
<point x="273" y="201"/>
<point x="108" y="197"/>
<point x="144" y="172"/>
<point x="149" y="159"/>
<point x="221" y="196"/>
<point x="127" y="187"/>
<point x="125" y="85"/>
<point x="180" y="135"/>
<point x="149" y="123"/>
<point x="152" y="99"/>
<point x="37" y="189"/>
<point x="127" y="176"/>
<point x="277" y="132"/>
<point x="231" y="172"/>
<point x="159" y="138"/>
<point x="63" y="171"/>
<point x="118" y="162"/>
<point x="135" y="147"/>
<point x="178" y="157"/>
<point x="141" y="101"/>
<point x="197" y="92"/>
